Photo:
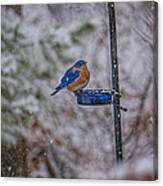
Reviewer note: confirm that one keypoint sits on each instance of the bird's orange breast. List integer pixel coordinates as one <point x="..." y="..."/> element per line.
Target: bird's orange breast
<point x="81" y="81"/>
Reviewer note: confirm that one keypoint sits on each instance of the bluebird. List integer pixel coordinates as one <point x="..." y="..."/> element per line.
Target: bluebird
<point x="75" y="78"/>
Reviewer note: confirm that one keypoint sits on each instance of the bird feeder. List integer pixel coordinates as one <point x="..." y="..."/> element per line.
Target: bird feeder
<point x="97" y="97"/>
<point x="94" y="97"/>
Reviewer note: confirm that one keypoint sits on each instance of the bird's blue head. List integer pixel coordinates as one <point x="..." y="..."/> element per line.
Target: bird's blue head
<point x="80" y="63"/>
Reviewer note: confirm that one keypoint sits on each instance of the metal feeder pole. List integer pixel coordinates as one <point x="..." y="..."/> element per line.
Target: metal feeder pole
<point x="115" y="84"/>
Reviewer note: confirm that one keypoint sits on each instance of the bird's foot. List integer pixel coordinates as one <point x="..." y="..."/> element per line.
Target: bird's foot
<point x="76" y="92"/>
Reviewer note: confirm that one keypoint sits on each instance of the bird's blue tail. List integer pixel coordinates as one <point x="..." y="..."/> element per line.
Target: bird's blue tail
<point x="57" y="89"/>
<point x="54" y="92"/>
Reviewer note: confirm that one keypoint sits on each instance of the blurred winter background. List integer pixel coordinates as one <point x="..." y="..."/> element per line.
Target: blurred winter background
<point x="45" y="136"/>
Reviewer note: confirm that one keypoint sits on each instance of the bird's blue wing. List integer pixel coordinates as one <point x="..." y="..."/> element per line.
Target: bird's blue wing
<point x="70" y="76"/>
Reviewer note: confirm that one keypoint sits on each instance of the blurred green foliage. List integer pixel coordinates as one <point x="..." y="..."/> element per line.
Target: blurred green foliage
<point x="27" y="69"/>
<point x="81" y="31"/>
<point x="22" y="92"/>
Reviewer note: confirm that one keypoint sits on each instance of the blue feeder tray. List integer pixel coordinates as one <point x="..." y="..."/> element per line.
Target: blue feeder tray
<point x="94" y="96"/>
